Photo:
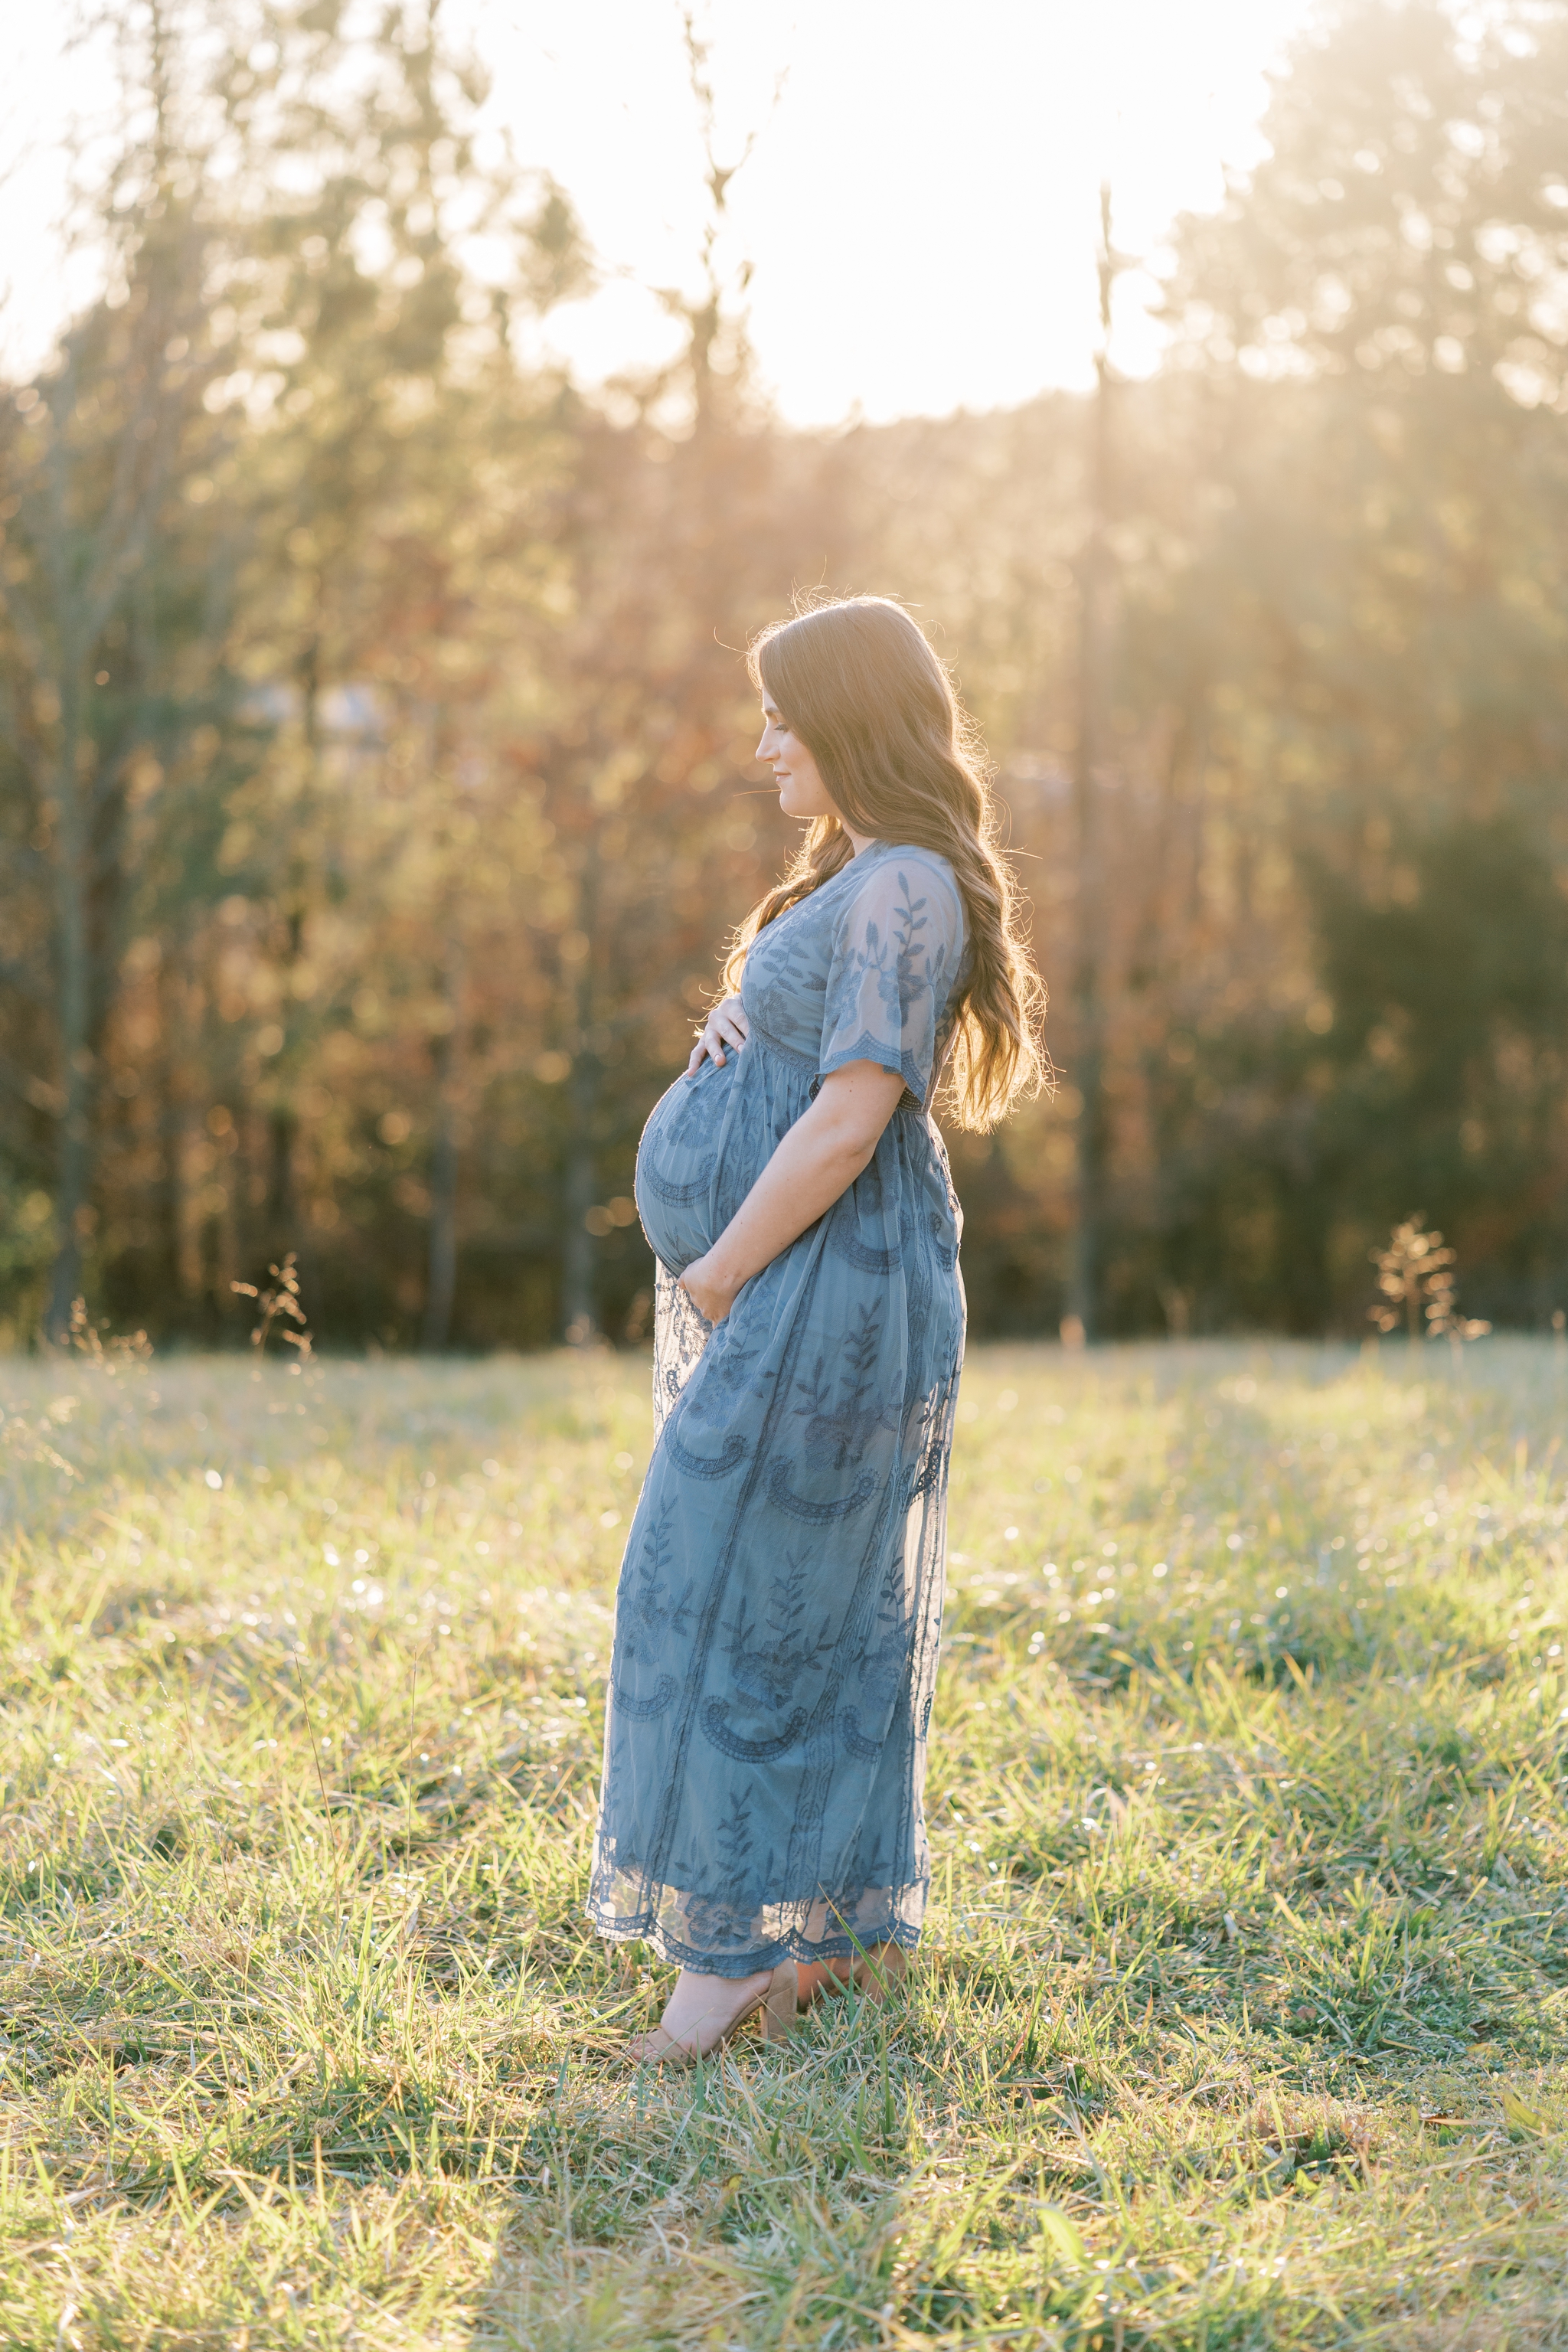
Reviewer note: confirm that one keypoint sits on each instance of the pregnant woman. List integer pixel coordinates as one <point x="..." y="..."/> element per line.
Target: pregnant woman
<point x="780" y="1600"/>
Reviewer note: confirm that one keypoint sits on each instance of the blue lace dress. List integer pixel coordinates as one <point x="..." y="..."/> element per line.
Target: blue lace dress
<point x="779" y="1605"/>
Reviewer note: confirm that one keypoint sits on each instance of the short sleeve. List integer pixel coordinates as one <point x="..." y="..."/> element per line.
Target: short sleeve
<point x="897" y="947"/>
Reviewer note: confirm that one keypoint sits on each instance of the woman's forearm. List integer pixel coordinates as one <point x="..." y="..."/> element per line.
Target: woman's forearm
<point x="814" y="1165"/>
<point x="809" y="1170"/>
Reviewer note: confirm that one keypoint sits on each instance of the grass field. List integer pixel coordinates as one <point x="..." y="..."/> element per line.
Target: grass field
<point x="1243" y="2008"/>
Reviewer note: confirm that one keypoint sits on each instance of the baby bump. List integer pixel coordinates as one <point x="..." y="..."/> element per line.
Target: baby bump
<point x="677" y="1165"/>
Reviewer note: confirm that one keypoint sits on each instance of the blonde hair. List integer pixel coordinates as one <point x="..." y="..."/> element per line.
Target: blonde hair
<point x="858" y="681"/>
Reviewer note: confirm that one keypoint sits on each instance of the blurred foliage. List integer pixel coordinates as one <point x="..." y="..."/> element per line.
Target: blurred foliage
<point x="374" y="782"/>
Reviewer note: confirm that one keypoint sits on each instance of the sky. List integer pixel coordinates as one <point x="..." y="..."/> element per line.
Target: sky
<point x="919" y="208"/>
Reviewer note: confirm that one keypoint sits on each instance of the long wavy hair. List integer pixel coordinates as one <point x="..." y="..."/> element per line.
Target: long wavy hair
<point x="857" y="681"/>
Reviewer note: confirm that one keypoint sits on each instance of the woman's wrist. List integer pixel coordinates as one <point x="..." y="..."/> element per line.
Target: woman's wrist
<point x="711" y="1292"/>
<point x="716" y="1271"/>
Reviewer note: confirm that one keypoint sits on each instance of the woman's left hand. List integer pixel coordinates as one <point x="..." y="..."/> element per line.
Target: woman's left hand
<point x="709" y="1293"/>
<point x="726" y="1025"/>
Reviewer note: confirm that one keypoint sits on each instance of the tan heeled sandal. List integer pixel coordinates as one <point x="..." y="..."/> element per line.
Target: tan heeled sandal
<point x="875" y="1973"/>
<point x="777" y="2005"/>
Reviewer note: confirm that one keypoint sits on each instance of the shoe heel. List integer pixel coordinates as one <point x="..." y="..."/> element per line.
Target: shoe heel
<point x="780" y="2004"/>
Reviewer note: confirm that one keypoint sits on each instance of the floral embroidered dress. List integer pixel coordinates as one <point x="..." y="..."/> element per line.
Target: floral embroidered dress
<point x="777" y="1618"/>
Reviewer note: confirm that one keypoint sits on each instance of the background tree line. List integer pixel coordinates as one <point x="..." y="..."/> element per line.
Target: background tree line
<point x="374" y="745"/>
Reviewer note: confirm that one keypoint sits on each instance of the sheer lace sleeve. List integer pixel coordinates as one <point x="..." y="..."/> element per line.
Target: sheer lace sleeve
<point x="899" y="946"/>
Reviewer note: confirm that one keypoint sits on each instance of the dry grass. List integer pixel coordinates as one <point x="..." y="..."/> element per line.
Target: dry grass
<point x="1250" y="1862"/>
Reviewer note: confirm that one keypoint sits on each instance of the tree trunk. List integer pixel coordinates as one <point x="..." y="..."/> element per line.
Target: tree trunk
<point x="171" y="1187"/>
<point x="78" y="1073"/>
<point x="441" y="1283"/>
<point x="281" y="1211"/>
<point x="579" y="1302"/>
<point x="1085" y="1272"/>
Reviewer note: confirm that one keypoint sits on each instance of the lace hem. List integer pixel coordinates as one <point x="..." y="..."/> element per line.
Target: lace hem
<point x="684" y="1928"/>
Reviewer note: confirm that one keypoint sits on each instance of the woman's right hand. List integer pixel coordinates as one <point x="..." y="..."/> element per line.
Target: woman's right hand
<point x="725" y="1025"/>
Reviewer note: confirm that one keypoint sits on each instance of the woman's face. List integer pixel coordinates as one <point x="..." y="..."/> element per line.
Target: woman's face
<point x="802" y="792"/>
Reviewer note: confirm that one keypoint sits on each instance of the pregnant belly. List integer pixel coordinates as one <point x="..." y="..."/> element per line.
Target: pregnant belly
<point x="679" y="1161"/>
